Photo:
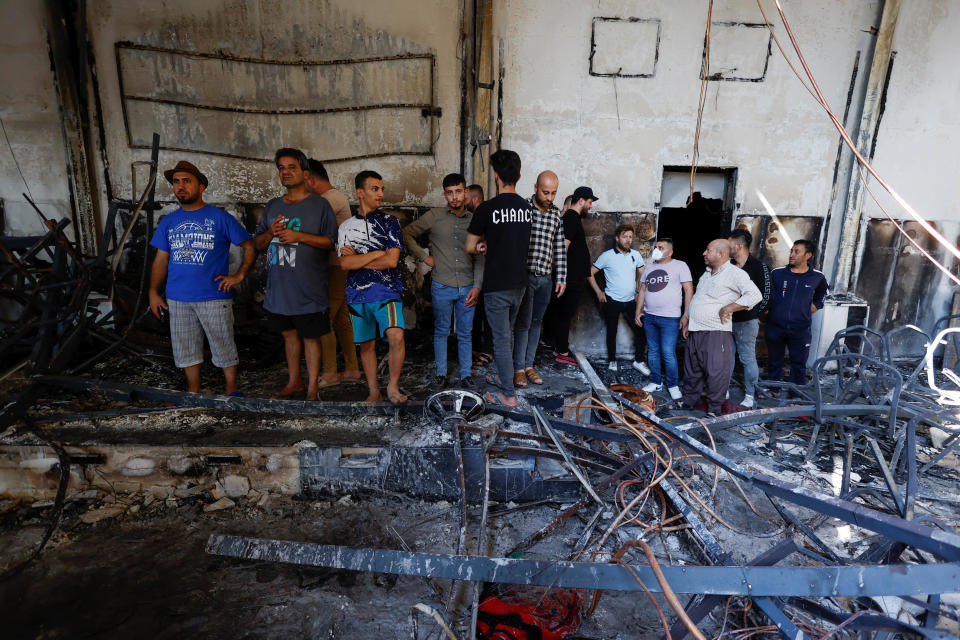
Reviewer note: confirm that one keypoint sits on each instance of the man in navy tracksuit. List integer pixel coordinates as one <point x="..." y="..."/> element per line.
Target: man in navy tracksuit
<point x="797" y="293"/>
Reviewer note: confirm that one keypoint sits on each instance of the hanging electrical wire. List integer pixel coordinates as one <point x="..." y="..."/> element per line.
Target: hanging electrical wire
<point x="814" y="90"/>
<point x="704" y="74"/>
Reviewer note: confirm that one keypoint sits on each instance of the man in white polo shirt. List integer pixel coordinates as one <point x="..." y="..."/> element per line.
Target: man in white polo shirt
<point x="723" y="289"/>
<point x="622" y="267"/>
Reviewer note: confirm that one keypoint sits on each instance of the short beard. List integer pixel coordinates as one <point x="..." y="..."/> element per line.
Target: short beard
<point x="541" y="203"/>
<point x="187" y="200"/>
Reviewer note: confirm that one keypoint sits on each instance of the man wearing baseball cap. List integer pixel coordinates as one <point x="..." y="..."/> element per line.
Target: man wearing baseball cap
<point x="193" y="256"/>
<point x="578" y="270"/>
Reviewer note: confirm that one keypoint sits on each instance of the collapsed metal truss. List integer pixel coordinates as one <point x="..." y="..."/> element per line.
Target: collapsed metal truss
<point x="50" y="292"/>
<point x="876" y="409"/>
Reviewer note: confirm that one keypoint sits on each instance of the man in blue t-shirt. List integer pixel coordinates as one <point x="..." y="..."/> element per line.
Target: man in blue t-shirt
<point x="798" y="291"/>
<point x="193" y="256"/>
<point x="370" y="244"/>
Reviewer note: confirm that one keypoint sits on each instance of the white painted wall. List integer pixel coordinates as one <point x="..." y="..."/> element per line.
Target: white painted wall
<point x="617" y="134"/>
<point x="920" y="130"/>
<point x="31" y="118"/>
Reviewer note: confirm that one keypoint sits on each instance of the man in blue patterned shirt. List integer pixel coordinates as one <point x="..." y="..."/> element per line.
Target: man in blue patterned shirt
<point x="370" y="244"/>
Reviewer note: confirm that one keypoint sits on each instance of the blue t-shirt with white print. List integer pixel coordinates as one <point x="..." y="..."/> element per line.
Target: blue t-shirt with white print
<point x="377" y="231"/>
<point x="199" y="246"/>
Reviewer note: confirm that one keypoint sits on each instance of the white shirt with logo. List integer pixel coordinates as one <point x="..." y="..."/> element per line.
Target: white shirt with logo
<point x="664" y="294"/>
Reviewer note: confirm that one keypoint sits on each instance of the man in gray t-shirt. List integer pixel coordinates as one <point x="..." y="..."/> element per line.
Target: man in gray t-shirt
<point x="296" y="231"/>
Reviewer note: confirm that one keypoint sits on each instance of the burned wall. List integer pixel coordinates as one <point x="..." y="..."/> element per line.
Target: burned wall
<point x="32" y="157"/>
<point x="228" y="83"/>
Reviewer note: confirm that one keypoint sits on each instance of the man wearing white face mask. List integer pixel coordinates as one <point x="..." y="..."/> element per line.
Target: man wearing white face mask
<point x="666" y="284"/>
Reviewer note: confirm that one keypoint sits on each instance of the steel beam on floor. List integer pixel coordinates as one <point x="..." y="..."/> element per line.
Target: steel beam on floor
<point x="818" y="582"/>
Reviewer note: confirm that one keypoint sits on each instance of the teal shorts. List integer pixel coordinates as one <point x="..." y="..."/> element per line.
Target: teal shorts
<point x="368" y="316"/>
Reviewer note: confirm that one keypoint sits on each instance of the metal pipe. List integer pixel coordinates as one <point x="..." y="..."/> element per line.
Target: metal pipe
<point x="876" y="83"/>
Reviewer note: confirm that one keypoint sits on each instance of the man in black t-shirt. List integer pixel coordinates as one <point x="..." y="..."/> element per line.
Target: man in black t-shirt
<point x="578" y="270"/>
<point x="500" y="229"/>
<point x="745" y="323"/>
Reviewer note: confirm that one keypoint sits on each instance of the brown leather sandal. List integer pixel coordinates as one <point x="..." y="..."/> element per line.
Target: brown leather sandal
<point x="519" y="379"/>
<point x="533" y="375"/>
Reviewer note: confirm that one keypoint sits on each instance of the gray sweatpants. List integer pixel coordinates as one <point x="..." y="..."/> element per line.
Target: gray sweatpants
<point x="706" y="362"/>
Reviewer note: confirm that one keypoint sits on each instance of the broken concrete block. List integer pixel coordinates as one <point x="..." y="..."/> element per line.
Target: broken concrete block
<point x="161" y="492"/>
<point x="102" y="513"/>
<point x="171" y="502"/>
<point x="222" y="503"/>
<point x="236" y="486"/>
<point x="89" y="494"/>
<point x="127" y="487"/>
<point x="139" y="466"/>
<point x="217" y="491"/>
<point x="939" y="436"/>
<point x="134" y="508"/>
<point x="184" y="465"/>
<point x="264" y="500"/>
<point x="148" y="499"/>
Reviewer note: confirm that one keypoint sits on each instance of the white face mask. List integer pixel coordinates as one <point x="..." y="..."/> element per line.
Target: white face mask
<point x="656" y="254"/>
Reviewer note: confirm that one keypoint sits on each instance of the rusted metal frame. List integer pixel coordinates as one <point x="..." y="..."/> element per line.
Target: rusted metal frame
<point x="44" y="242"/>
<point x="864" y="622"/>
<point x="282" y="112"/>
<point x="573" y="509"/>
<point x="544" y="453"/>
<point x="118" y="46"/>
<point x="566" y="456"/>
<point x="149" y="207"/>
<point x="583" y="452"/>
<point x="461" y="501"/>
<point x="948" y="446"/>
<point x="939" y="543"/>
<point x="125" y="44"/>
<point x="482" y="531"/>
<point x="887" y="476"/>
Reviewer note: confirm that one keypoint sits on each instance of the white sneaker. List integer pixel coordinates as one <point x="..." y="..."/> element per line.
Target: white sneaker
<point x="641" y="367"/>
<point x="612" y="365"/>
<point x="747" y="402"/>
<point x="650" y="387"/>
<point x="675" y="393"/>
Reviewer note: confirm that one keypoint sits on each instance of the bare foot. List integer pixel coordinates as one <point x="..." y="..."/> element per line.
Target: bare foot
<point x="291" y="389"/>
<point x="375" y="397"/>
<point x="395" y="396"/>
<point x="313" y="391"/>
<point x="329" y="379"/>
<point x="351" y="375"/>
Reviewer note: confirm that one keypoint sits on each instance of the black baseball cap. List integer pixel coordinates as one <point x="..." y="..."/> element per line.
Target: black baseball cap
<point x="584" y="192"/>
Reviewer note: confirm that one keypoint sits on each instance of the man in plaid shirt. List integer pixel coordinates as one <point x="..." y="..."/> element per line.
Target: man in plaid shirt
<point x="546" y="272"/>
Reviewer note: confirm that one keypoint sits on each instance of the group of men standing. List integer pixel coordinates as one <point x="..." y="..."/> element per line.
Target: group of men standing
<point x="333" y="277"/>
<point x="312" y="291"/>
<point x="717" y="320"/>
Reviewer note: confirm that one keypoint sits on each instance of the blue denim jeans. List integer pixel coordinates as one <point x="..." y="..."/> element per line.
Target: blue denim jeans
<point x="662" y="336"/>
<point x="447" y="301"/>
<point x="745" y="339"/>
<point x="529" y="320"/>
<point x="502" y="308"/>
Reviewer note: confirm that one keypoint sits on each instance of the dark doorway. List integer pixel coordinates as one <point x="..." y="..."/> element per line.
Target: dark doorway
<point x="692" y="226"/>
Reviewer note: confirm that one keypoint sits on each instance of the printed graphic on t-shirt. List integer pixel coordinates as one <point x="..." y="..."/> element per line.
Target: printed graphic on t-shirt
<point x="190" y="241"/>
<point x="657" y="280"/>
<point x="284" y="255"/>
